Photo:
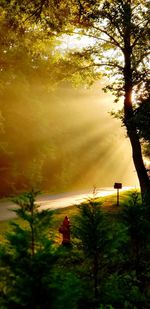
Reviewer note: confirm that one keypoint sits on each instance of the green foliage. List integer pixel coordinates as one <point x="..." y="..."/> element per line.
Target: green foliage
<point x="104" y="23"/>
<point x="69" y="290"/>
<point x="31" y="37"/>
<point x="107" y="266"/>
<point x="27" y="258"/>
<point x="136" y="216"/>
<point x="95" y="240"/>
<point x="146" y="149"/>
<point x="91" y="228"/>
<point x="142" y="119"/>
<point x="111" y="270"/>
<point x="122" y="291"/>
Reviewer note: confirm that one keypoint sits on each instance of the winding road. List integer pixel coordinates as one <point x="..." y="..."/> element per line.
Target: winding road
<point x="48" y="201"/>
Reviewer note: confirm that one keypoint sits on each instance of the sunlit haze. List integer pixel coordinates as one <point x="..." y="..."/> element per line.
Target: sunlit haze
<point x="62" y="140"/>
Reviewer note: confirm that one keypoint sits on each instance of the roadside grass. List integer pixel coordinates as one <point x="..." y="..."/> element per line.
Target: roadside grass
<point x="108" y="204"/>
<point x="5" y="227"/>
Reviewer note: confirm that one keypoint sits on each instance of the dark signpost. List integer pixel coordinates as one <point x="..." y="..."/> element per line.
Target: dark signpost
<point x="117" y="185"/>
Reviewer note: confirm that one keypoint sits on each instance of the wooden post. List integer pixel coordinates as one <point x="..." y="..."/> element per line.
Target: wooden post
<point x="117" y="186"/>
<point x="117" y="196"/>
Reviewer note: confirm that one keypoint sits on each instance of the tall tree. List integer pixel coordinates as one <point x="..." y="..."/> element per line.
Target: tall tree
<point x="118" y="48"/>
<point x="120" y="34"/>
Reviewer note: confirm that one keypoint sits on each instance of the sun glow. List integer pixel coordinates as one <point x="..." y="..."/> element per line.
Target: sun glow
<point x="103" y="152"/>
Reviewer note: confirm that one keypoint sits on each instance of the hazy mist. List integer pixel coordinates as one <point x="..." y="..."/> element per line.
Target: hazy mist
<point x="60" y="139"/>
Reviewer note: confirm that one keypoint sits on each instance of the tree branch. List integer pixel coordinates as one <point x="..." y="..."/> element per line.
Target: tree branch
<point x="139" y="36"/>
<point x="115" y="24"/>
<point x="116" y="43"/>
<point x="101" y="65"/>
<point x="114" y="65"/>
<point x="89" y="35"/>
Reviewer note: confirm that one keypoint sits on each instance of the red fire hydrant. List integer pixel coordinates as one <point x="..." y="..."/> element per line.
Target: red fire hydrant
<point x="65" y="231"/>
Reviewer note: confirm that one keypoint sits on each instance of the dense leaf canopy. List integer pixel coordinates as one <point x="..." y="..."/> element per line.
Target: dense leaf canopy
<point x="113" y="42"/>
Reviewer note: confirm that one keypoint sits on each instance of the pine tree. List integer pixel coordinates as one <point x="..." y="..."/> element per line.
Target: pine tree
<point x="136" y="216"/>
<point x="27" y="258"/>
<point x="94" y="240"/>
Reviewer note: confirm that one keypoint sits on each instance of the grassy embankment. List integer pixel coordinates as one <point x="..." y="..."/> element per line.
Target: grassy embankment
<point x="108" y="204"/>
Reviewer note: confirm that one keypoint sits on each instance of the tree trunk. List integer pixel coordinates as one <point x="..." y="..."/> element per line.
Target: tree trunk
<point x="138" y="161"/>
<point x="135" y="143"/>
<point x="95" y="273"/>
<point x="128" y="107"/>
<point x="32" y="225"/>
